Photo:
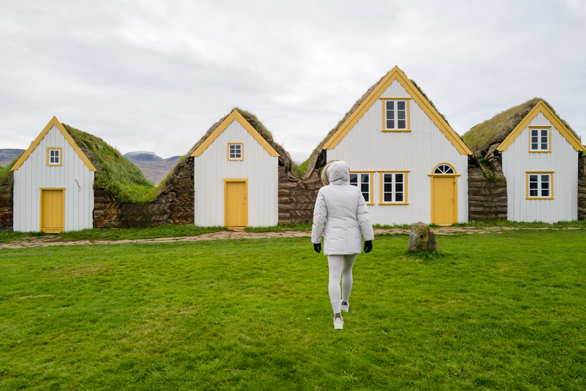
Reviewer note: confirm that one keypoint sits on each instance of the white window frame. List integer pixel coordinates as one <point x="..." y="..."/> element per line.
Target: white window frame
<point x="394" y="192"/>
<point x="542" y="136"/>
<point x="56" y="159"/>
<point x="360" y="183"/>
<point x="537" y="177"/>
<point x="237" y="155"/>
<point x="396" y="111"/>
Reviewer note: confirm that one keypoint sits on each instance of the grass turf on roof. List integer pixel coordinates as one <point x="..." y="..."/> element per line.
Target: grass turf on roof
<point x="6" y="175"/>
<point x="115" y="174"/>
<point x="496" y="129"/>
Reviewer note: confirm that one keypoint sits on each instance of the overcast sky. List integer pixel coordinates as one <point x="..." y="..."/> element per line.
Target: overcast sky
<point x="155" y="75"/>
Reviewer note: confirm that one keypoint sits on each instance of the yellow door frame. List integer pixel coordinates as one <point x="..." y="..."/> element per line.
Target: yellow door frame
<point x="439" y="176"/>
<point x="41" y="225"/>
<point x="240" y="180"/>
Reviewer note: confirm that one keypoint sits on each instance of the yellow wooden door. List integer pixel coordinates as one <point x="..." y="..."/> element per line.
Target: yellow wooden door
<point x="235" y="204"/>
<point x="52" y="210"/>
<point x="443" y="200"/>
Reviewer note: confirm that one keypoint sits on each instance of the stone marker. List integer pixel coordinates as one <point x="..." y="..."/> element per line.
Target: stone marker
<point x="422" y="239"/>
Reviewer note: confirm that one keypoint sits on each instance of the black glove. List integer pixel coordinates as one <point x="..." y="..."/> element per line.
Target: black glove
<point x="368" y="246"/>
<point x="317" y="247"/>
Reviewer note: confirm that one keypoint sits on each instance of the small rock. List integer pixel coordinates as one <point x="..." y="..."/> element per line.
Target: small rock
<point x="422" y="239"/>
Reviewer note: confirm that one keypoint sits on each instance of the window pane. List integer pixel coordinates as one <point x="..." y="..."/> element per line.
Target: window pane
<point x="401" y="105"/>
<point x="365" y="195"/>
<point x="388" y="187"/>
<point x="232" y="156"/>
<point x="399" y="187"/>
<point x="545" y="193"/>
<point x="449" y="170"/>
<point x="544" y="146"/>
<point x="534" y="146"/>
<point x="532" y="178"/>
<point x="365" y="178"/>
<point x="390" y="105"/>
<point x="534" y="132"/>
<point x="399" y="197"/>
<point x="390" y="124"/>
<point x="364" y="187"/>
<point x="401" y="115"/>
<point x="354" y="179"/>
<point x="544" y="133"/>
<point x="532" y="193"/>
<point x="399" y="178"/>
<point x="545" y="178"/>
<point x="402" y="124"/>
<point x="388" y="197"/>
<point x="388" y="178"/>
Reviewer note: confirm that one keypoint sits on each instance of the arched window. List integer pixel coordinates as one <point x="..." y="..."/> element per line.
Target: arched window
<point x="444" y="169"/>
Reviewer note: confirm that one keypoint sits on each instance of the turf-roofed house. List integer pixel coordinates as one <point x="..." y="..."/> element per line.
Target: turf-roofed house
<point x="409" y="163"/>
<point x="59" y="182"/>
<point x="236" y="174"/>
<point x="537" y="154"/>
<point x="53" y="184"/>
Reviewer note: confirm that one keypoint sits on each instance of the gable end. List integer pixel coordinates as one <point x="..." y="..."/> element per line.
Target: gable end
<point x="54" y="122"/>
<point x="397" y="74"/>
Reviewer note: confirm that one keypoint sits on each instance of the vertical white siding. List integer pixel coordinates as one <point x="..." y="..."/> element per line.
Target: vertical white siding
<point x="367" y="148"/>
<point x="34" y="174"/>
<point x="213" y="166"/>
<point x="563" y="159"/>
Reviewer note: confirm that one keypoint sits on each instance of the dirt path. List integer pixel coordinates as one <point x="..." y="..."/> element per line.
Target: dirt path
<point x="46" y="241"/>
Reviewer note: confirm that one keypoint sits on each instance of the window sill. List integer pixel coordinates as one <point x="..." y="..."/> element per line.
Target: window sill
<point x="397" y="130"/>
<point x="540" y="151"/>
<point x="539" y="198"/>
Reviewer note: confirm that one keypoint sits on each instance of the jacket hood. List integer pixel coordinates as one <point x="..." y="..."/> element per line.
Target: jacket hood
<point x="338" y="173"/>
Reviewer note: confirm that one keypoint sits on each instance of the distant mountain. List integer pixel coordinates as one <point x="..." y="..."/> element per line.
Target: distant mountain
<point x="142" y="156"/>
<point x="8" y="155"/>
<point x="154" y="167"/>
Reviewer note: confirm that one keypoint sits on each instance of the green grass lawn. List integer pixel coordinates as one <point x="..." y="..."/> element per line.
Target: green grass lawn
<point x="497" y="311"/>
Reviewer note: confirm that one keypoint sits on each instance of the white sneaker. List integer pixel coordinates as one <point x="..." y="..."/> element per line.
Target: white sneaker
<point x="338" y="324"/>
<point x="345" y="307"/>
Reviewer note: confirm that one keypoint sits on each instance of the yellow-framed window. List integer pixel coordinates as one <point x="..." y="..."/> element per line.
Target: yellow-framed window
<point x="235" y="151"/>
<point x="539" y="139"/>
<point x="363" y="180"/>
<point x="394" y="188"/>
<point x="54" y="156"/>
<point x="396" y="117"/>
<point x="540" y="185"/>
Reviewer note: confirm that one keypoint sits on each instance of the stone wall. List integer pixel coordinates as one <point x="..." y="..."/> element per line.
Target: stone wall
<point x="582" y="188"/>
<point x="487" y="197"/>
<point x="173" y="205"/>
<point x="6" y="207"/>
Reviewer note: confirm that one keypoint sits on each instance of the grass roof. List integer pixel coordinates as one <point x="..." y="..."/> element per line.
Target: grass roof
<point x="6" y="175"/>
<point x="496" y="129"/>
<point x="115" y="174"/>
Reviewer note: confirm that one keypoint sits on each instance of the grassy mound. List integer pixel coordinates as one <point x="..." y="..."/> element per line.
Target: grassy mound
<point x="116" y="174"/>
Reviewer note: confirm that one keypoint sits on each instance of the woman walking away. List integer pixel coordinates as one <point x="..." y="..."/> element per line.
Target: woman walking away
<point x="342" y="210"/>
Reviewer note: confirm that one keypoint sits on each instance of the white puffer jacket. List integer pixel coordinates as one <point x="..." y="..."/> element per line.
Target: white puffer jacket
<point x="342" y="210"/>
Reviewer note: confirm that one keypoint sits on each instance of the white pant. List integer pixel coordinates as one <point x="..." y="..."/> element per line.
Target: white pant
<point x="340" y="267"/>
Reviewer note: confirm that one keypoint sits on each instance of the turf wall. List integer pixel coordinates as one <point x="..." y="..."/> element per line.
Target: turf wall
<point x="487" y="197"/>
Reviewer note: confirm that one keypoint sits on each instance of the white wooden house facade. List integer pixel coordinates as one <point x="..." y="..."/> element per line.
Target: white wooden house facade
<point x="53" y="184"/>
<point x="409" y="162"/>
<point x="235" y="177"/>
<point x="540" y="163"/>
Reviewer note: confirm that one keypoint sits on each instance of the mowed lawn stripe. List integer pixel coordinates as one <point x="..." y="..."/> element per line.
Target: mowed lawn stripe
<point x="496" y="311"/>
